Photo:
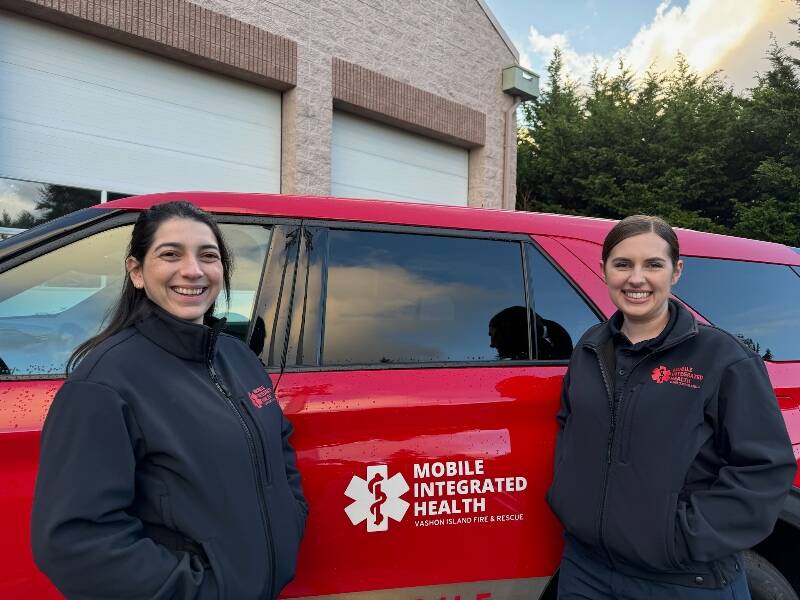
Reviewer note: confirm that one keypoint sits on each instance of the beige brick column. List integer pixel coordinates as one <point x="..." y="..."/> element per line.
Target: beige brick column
<point x="486" y="163"/>
<point x="307" y="125"/>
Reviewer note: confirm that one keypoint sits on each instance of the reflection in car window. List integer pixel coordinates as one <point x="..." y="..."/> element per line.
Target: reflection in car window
<point x="562" y="316"/>
<point x="51" y="304"/>
<point x="54" y="302"/>
<point x="248" y="245"/>
<point x="24" y="204"/>
<point x="408" y="298"/>
<point x="756" y="302"/>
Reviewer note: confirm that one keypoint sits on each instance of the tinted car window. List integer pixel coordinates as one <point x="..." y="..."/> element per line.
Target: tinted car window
<point x="407" y="298"/>
<point x="51" y="304"/>
<point x="562" y="315"/>
<point x="756" y="302"/>
<point x="54" y="302"/>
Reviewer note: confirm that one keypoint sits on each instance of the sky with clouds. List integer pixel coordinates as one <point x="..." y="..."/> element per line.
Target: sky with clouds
<point x="728" y="35"/>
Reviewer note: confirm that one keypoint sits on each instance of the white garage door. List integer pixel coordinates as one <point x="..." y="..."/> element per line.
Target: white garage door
<point x="372" y="160"/>
<point x="79" y="111"/>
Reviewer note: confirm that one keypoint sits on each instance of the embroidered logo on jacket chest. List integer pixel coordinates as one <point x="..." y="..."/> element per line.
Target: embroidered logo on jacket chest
<point x="261" y="396"/>
<point x="683" y="376"/>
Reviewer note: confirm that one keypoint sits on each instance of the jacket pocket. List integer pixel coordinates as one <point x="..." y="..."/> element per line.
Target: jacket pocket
<point x="638" y="525"/>
<point x="570" y="501"/>
<point x="215" y="567"/>
<point x="558" y="459"/>
<point x="287" y="529"/>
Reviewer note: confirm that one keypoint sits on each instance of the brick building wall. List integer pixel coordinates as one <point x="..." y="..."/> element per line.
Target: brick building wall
<point x="430" y="66"/>
<point x="446" y="47"/>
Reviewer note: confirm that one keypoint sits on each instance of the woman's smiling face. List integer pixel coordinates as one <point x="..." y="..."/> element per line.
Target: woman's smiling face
<point x="182" y="271"/>
<point x="639" y="274"/>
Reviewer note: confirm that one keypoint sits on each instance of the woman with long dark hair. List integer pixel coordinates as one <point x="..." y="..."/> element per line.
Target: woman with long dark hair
<point x="166" y="470"/>
<point x="672" y="456"/>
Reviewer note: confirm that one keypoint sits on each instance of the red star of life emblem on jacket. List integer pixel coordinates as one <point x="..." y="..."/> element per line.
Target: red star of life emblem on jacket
<point x="261" y="396"/>
<point x="661" y="374"/>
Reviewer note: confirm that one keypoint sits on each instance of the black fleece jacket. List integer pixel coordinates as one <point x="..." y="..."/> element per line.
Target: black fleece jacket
<point x="686" y="465"/>
<point x="166" y="471"/>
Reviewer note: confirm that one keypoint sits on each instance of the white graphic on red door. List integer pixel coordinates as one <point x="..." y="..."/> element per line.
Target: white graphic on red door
<point x="377" y="498"/>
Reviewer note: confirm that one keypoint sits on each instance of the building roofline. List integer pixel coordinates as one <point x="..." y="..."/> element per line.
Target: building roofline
<point x="499" y="28"/>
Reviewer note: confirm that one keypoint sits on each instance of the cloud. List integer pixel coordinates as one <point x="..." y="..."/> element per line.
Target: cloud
<point x="373" y="303"/>
<point x="576" y="65"/>
<point x="524" y="58"/>
<point x="728" y="35"/>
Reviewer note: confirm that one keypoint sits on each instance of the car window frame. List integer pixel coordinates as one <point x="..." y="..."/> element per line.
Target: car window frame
<point x="601" y="318"/>
<point x="120" y="218"/>
<point x="521" y="238"/>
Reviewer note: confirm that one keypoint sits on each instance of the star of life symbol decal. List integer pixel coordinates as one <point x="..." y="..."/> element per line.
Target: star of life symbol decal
<point x="377" y="498"/>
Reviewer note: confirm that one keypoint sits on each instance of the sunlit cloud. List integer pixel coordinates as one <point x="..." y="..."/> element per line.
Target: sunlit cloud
<point x="728" y="35"/>
<point x="377" y="303"/>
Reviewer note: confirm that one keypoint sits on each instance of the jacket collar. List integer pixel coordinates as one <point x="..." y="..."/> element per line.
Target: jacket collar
<point x="184" y="339"/>
<point x="684" y="327"/>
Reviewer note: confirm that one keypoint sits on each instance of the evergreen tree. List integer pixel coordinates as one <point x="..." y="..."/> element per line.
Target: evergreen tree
<point x="772" y="119"/>
<point x="547" y="145"/>
<point x="58" y="200"/>
<point x="24" y="220"/>
<point x="673" y="143"/>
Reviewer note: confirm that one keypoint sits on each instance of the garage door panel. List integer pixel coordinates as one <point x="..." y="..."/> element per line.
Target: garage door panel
<point x="369" y="137"/>
<point x="373" y="160"/>
<point x="370" y="173"/>
<point x="76" y="110"/>
<point x="28" y="160"/>
<point x="31" y="102"/>
<point x="92" y="61"/>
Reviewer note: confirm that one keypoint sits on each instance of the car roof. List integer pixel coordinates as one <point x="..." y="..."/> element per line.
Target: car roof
<point x="594" y="230"/>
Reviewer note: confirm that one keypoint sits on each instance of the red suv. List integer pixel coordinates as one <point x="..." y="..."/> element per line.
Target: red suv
<point x="419" y="352"/>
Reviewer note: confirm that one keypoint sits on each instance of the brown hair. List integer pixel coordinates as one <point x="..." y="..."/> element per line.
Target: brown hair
<point x="638" y="224"/>
<point x="132" y="304"/>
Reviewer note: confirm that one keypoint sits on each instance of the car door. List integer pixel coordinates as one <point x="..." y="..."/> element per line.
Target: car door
<point x="54" y="294"/>
<point x="422" y="374"/>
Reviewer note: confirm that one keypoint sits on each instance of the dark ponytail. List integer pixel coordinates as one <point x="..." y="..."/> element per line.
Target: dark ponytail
<point x="133" y="304"/>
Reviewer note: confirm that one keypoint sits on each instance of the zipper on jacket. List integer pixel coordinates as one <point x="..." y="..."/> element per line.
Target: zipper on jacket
<point x="612" y="427"/>
<point x="611" y="407"/>
<point x="254" y="461"/>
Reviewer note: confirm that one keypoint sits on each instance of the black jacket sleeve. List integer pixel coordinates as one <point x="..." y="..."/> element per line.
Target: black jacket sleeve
<point x="290" y="460"/>
<point x="82" y="536"/>
<point x="740" y="509"/>
<point x="561" y="417"/>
